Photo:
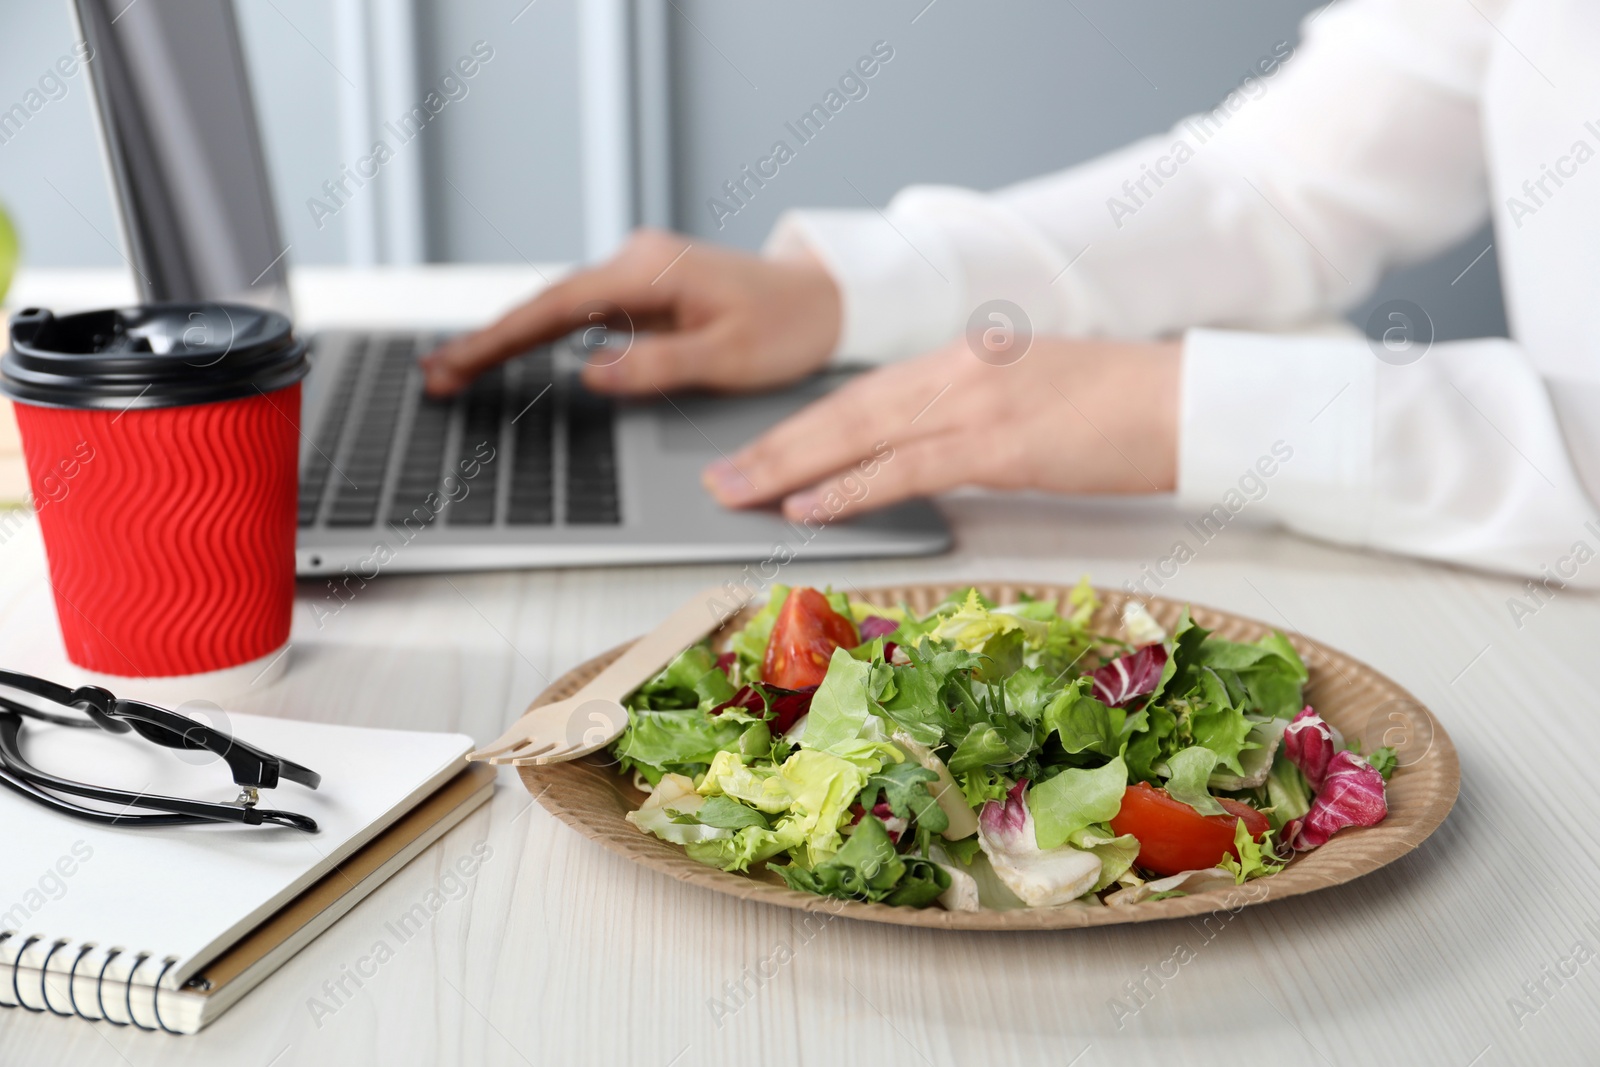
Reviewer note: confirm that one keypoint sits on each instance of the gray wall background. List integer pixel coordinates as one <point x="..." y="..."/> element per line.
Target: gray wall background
<point x="978" y="94"/>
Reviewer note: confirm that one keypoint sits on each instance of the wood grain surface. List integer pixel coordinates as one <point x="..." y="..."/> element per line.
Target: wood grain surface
<point x="558" y="951"/>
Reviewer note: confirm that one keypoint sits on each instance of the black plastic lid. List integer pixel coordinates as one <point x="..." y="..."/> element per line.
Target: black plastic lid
<point x="156" y="356"/>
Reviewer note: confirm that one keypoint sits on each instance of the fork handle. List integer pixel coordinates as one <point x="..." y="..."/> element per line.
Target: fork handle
<point x="698" y="616"/>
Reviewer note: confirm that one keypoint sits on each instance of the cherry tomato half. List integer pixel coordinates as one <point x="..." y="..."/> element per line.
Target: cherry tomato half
<point x="1174" y="837"/>
<point x="803" y="639"/>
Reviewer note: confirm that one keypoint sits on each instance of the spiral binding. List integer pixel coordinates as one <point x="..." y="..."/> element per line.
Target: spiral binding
<point x="72" y="984"/>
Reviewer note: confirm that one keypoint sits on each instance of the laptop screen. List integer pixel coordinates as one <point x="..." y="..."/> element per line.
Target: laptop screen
<point x="180" y="135"/>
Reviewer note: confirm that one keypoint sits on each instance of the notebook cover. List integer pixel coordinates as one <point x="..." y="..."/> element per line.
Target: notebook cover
<point x="335" y="884"/>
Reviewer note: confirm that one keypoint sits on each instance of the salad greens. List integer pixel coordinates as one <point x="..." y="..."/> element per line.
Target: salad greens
<point x="983" y="755"/>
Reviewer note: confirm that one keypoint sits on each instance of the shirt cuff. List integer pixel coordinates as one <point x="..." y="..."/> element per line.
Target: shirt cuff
<point x="912" y="275"/>
<point x="1277" y="428"/>
<point x="894" y="278"/>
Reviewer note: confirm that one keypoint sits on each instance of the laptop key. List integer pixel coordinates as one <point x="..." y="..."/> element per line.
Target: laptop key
<point x="314" y="477"/>
<point x="591" y="496"/>
<point x="422" y="464"/>
<point x="368" y="457"/>
<point x="531" y="501"/>
<point x="480" y="444"/>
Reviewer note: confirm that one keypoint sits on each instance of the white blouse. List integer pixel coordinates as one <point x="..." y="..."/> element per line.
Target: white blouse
<point x="1383" y="139"/>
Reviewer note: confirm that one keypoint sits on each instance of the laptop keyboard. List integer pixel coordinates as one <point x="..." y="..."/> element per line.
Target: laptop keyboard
<point x="516" y="448"/>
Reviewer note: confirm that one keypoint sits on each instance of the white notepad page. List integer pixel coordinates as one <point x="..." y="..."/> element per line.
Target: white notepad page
<point x="189" y="892"/>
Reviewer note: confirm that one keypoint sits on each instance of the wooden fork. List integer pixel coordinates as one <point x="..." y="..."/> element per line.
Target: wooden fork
<point x="593" y="717"/>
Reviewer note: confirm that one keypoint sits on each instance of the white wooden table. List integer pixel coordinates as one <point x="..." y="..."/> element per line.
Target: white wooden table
<point x="562" y="953"/>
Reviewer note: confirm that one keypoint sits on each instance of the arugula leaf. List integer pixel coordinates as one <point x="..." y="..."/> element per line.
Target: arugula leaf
<point x="1187" y="784"/>
<point x="1084" y="724"/>
<point x="921" y="885"/>
<point x="983" y="746"/>
<point x="1182" y="651"/>
<point x="725" y="813"/>
<point x="1267" y="676"/>
<point x="1146" y="748"/>
<point x="905" y="789"/>
<point x="1384" y="761"/>
<point x="1216" y="723"/>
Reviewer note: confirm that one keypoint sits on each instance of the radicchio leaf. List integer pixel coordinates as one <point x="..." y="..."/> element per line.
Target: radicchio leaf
<point x="1129" y="677"/>
<point x="1352" y="794"/>
<point x="876" y="626"/>
<point x="1309" y="744"/>
<point x="725" y="662"/>
<point x="891" y="822"/>
<point x="1041" y="878"/>
<point x="786" y="706"/>
<point x="1008" y="822"/>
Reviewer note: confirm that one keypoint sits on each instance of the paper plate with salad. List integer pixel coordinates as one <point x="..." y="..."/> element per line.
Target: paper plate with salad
<point x="1008" y="757"/>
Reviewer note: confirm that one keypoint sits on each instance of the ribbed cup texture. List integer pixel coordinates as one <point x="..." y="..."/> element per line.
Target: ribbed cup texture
<point x="170" y="532"/>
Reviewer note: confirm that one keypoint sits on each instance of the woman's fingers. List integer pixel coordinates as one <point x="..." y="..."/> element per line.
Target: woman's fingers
<point x="828" y="435"/>
<point x="659" y="362"/>
<point x="631" y="285"/>
<point x="553" y="313"/>
<point x="888" y="475"/>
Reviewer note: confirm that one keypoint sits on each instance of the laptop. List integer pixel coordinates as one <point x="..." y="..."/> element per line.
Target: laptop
<point x="525" y="468"/>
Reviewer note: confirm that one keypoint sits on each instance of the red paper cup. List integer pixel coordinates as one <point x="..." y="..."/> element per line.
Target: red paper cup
<point x="162" y="446"/>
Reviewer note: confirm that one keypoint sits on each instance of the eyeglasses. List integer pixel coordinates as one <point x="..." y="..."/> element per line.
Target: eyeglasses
<point x="91" y="707"/>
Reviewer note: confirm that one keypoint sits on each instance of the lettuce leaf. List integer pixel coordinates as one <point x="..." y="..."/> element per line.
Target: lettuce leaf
<point x="1074" y="800"/>
<point x="750" y="643"/>
<point x="760" y="787"/>
<point x="869" y="868"/>
<point x="983" y="746"/>
<point x="821" y="788"/>
<point x="674" y="686"/>
<point x="974" y="625"/>
<point x="1384" y="761"/>
<point x="1116" y="853"/>
<point x="1189" y="770"/>
<point x="750" y="845"/>
<point x="685" y="741"/>
<point x="1288" y="793"/>
<point x="840" y="707"/>
<point x="1256" y="858"/>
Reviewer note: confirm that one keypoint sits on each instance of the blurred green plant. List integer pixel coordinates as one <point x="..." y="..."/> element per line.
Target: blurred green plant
<point x="8" y="252"/>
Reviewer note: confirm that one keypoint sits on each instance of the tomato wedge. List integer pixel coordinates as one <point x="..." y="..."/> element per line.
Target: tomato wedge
<point x="803" y="639"/>
<point x="1173" y="837"/>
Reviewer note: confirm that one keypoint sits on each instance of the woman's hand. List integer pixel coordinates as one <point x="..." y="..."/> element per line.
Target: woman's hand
<point x="715" y="318"/>
<point x="1070" y="417"/>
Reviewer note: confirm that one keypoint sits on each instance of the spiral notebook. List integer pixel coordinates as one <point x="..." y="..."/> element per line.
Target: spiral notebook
<point x="166" y="928"/>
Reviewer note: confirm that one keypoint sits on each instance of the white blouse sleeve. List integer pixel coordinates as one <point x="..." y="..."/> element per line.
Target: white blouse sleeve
<point x="1333" y="162"/>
